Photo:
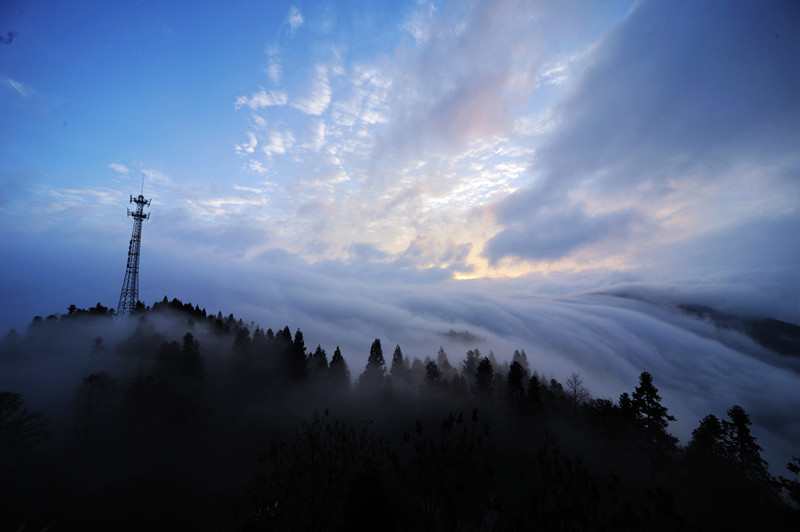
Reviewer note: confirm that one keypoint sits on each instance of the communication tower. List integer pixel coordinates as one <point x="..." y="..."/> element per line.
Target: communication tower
<point x="130" y="286"/>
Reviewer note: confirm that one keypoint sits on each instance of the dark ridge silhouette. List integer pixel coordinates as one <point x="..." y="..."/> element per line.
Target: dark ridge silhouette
<point x="779" y="336"/>
<point x="465" y="337"/>
<point x="178" y="418"/>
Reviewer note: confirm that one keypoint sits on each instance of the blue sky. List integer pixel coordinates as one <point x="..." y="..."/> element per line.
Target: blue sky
<point x="400" y="169"/>
<point x="565" y="147"/>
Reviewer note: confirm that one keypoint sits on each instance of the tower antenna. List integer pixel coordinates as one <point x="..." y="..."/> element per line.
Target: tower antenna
<point x="129" y="295"/>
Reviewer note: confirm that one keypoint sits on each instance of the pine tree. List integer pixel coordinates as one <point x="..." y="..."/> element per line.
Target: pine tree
<point x="707" y="443"/>
<point x="482" y="385"/>
<point x="338" y="372"/>
<point x="652" y="418"/>
<point x="398" y="370"/>
<point x="535" y="392"/>
<point x="298" y="368"/>
<point x="470" y="364"/>
<point x="444" y="365"/>
<point x="740" y="445"/>
<point x="434" y="380"/>
<point x="515" y="387"/>
<point x="319" y="360"/>
<point x="375" y="371"/>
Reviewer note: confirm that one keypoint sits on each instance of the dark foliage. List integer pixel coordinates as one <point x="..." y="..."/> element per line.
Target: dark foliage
<point x="188" y="420"/>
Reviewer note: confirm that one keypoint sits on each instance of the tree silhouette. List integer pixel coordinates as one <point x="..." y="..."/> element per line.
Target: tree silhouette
<point x="515" y="381"/>
<point x="375" y="371"/>
<point x="741" y="447"/>
<point x="577" y="393"/>
<point x="21" y="433"/>
<point x="319" y="360"/>
<point x="470" y="364"/>
<point x="484" y="374"/>
<point x="338" y="372"/>
<point x="652" y="418"/>
<point x="434" y="380"/>
<point x="399" y="369"/>
<point x="298" y="368"/>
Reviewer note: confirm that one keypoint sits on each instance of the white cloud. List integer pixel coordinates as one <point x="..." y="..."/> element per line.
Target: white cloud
<point x="279" y="142"/>
<point x="295" y="19"/>
<point x="262" y="98"/>
<point x="256" y="166"/>
<point x="120" y="168"/>
<point x="248" y="147"/>
<point x="319" y="98"/>
<point x="275" y="70"/>
<point x="418" y="23"/>
<point x="156" y="176"/>
<point x="17" y="87"/>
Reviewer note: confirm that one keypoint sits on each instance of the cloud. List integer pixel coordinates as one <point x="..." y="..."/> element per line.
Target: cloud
<point x="553" y="235"/>
<point x="261" y="99"/>
<point x="295" y="19"/>
<point x="248" y="147"/>
<point x="279" y="142"/>
<point x="256" y="166"/>
<point x="17" y="87"/>
<point x="676" y="111"/>
<point x="120" y="168"/>
<point x="319" y="97"/>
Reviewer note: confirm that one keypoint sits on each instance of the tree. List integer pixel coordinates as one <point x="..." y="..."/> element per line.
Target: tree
<point x="338" y="371"/>
<point x="241" y="345"/>
<point x="740" y="445"/>
<point x="482" y="385"/>
<point x="515" y="387"/>
<point x="470" y="364"/>
<point x="298" y="368"/>
<point x="444" y="365"/>
<point x="375" y="371"/>
<point x="416" y="372"/>
<point x="707" y="443"/>
<point x="192" y="364"/>
<point x="21" y="433"/>
<point x="95" y="401"/>
<point x="434" y="380"/>
<point x="652" y="418"/>
<point x="399" y="370"/>
<point x="319" y="360"/>
<point x="576" y="392"/>
<point x="522" y="358"/>
<point x="535" y="392"/>
<point x="792" y="486"/>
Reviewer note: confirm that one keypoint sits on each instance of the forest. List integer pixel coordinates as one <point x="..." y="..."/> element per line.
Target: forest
<point x="184" y="419"/>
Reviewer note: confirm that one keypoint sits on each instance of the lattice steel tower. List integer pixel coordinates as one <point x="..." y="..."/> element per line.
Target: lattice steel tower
<point x="130" y="286"/>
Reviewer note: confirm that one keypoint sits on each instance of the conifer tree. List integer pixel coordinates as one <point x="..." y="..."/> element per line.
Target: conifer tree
<point x="338" y="372"/>
<point x="319" y="360"/>
<point x="652" y="418"/>
<point x="515" y="387"/>
<point x="535" y="392"/>
<point x="740" y="445"/>
<point x="434" y="380"/>
<point x="482" y="385"/>
<point x="298" y="368"/>
<point x="398" y="370"/>
<point x="375" y="371"/>
<point x="470" y="364"/>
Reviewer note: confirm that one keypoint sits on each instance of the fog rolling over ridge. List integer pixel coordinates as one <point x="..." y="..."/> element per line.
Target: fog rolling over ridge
<point x="702" y="366"/>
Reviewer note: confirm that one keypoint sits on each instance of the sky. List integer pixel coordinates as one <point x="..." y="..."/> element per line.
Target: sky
<point x="400" y="169"/>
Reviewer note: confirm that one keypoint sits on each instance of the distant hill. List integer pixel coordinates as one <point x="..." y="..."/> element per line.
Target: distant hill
<point x="779" y="336"/>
